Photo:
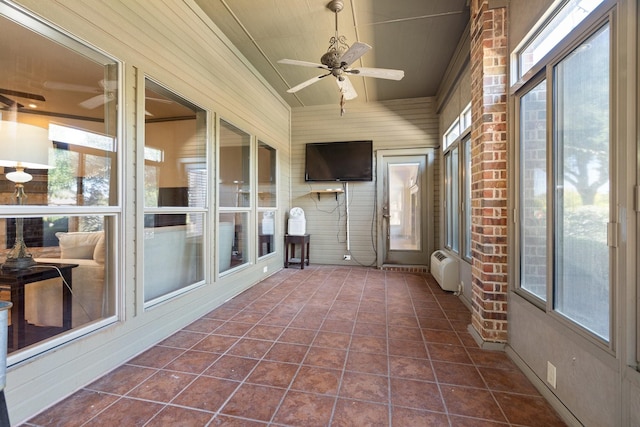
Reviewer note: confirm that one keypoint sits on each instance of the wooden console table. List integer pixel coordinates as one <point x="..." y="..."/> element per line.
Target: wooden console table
<point x="16" y="280"/>
<point x="290" y="240"/>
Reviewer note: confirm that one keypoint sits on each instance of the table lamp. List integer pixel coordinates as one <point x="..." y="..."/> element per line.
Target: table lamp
<point x="22" y="146"/>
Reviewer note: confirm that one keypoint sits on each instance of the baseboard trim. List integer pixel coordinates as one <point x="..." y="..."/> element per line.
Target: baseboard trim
<point x="541" y="386"/>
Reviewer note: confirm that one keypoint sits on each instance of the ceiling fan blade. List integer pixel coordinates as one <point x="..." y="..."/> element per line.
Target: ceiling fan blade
<point x="307" y="83"/>
<point x="355" y="51"/>
<point x="94" y="102"/>
<point x="160" y="100"/>
<point x="10" y="102"/>
<point x="302" y="63"/>
<point x="346" y="88"/>
<point x="26" y="95"/>
<point x="381" y="73"/>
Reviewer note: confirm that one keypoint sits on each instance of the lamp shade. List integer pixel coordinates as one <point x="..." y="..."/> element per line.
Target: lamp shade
<point x="23" y="145"/>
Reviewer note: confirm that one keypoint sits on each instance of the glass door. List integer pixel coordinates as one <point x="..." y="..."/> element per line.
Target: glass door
<point x="404" y="219"/>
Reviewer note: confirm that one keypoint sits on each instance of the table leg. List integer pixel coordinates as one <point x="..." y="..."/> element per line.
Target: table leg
<point x="18" y="322"/>
<point x="4" y="413"/>
<point x="302" y="258"/>
<point x="66" y="299"/>
<point x="286" y="255"/>
<point x="307" y="253"/>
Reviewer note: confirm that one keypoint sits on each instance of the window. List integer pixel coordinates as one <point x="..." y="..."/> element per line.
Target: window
<point x="466" y="191"/>
<point x="68" y="96"/>
<point x="564" y="178"/>
<point x="452" y="199"/>
<point x="457" y="185"/>
<point x="563" y="21"/>
<point x="581" y="182"/>
<point x="175" y="188"/>
<point x="267" y="200"/>
<point x="234" y="193"/>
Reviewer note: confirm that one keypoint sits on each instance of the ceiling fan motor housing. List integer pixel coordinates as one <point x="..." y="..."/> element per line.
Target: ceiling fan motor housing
<point x="331" y="59"/>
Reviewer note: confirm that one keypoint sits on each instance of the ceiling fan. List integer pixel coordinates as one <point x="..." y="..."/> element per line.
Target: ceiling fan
<point x="103" y="95"/>
<point x="337" y="62"/>
<point x="16" y="93"/>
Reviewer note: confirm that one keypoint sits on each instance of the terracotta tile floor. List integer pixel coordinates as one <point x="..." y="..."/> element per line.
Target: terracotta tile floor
<point x="316" y="347"/>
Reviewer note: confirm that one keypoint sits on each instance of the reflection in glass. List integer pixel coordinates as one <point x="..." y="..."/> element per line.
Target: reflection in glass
<point x="175" y="177"/>
<point x="173" y="257"/>
<point x="83" y="244"/>
<point x="266" y="231"/>
<point x="61" y="85"/>
<point x="582" y="184"/>
<point x="466" y="147"/>
<point x="266" y="175"/>
<point x="533" y="191"/>
<point x="234" y="174"/>
<point x="404" y="206"/>
<point x="452" y="200"/>
<point x="570" y="15"/>
<point x="233" y="240"/>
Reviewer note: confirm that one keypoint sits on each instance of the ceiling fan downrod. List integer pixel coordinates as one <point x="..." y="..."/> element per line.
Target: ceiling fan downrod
<point x="337" y="44"/>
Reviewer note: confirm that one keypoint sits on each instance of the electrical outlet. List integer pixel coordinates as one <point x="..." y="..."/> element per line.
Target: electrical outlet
<point x="551" y="374"/>
<point x="347" y="257"/>
<point x="265" y="269"/>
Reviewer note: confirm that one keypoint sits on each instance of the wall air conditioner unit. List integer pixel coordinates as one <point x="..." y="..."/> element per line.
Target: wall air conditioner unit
<point x="445" y="270"/>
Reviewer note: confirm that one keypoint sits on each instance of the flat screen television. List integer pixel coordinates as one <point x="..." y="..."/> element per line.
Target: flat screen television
<point x="339" y="161"/>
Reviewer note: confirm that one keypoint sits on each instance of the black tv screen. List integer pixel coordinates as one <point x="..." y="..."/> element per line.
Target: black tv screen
<point x="339" y="161"/>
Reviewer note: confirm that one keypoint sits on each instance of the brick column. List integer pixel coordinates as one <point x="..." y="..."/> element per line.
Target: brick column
<point x="489" y="58"/>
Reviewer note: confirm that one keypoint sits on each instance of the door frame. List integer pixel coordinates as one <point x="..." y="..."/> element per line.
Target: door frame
<point x="429" y="209"/>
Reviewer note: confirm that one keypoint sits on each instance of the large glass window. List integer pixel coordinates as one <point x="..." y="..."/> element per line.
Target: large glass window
<point x="267" y="200"/>
<point x="533" y="191"/>
<point x="234" y="192"/>
<point x="452" y="199"/>
<point x="175" y="187"/>
<point x="466" y="162"/>
<point x="59" y="160"/>
<point x="457" y="185"/>
<point x="564" y="177"/>
<point x="581" y="180"/>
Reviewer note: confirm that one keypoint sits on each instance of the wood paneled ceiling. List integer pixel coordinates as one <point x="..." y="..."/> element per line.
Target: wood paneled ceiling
<point x="417" y="36"/>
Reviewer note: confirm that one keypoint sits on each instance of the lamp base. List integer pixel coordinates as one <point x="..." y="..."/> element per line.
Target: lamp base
<point x="18" y="263"/>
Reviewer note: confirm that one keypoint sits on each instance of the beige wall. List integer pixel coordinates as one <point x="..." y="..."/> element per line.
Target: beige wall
<point x="175" y="44"/>
<point x="407" y="123"/>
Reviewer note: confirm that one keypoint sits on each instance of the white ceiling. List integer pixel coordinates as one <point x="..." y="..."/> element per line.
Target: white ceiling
<point x="417" y="36"/>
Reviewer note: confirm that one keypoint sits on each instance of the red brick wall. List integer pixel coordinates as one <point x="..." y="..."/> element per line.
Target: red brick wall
<point x="489" y="58"/>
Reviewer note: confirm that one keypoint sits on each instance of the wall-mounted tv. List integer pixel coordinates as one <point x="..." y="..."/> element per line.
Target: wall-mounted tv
<point x="339" y="161"/>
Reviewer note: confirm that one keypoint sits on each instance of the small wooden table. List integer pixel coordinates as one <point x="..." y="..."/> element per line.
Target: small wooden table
<point x="16" y="280"/>
<point x="290" y="240"/>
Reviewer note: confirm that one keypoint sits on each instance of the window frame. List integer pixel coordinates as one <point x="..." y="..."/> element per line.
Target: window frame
<point x="543" y="70"/>
<point x="199" y="211"/>
<point x="260" y="209"/>
<point x="246" y="210"/>
<point x="112" y="213"/>
<point x="461" y="128"/>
